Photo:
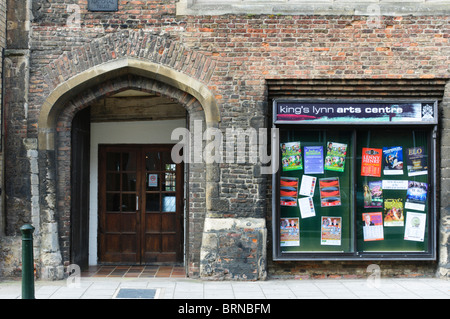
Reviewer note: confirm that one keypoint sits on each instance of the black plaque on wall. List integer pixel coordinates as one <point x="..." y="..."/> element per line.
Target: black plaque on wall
<point x="103" y="5"/>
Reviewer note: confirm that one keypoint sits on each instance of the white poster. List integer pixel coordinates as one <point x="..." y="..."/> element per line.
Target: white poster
<point x="394" y="184"/>
<point x="306" y="207"/>
<point x="415" y="226"/>
<point x="308" y="185"/>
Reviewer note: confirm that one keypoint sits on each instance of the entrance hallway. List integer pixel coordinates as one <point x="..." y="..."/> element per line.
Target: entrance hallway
<point x="135" y="272"/>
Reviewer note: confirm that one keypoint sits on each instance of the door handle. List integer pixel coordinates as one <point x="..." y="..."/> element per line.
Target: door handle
<point x="137" y="202"/>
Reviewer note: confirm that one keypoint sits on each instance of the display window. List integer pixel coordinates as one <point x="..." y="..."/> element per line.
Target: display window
<point x="359" y="185"/>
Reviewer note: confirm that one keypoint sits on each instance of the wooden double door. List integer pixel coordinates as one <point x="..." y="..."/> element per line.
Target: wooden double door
<point x="140" y="205"/>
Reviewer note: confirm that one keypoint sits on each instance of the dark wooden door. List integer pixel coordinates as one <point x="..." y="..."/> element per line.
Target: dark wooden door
<point x="140" y="205"/>
<point x="80" y="189"/>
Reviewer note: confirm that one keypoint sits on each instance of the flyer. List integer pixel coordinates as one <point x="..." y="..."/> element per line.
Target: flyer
<point x="306" y="205"/>
<point x="415" y="226"/>
<point x="416" y="195"/>
<point x="335" y="159"/>
<point x="371" y="162"/>
<point x="331" y="231"/>
<point x="308" y="185"/>
<point x="394" y="184"/>
<point x="330" y="194"/>
<point x="373" y="226"/>
<point x="291" y="156"/>
<point x="393" y="160"/>
<point x="416" y="161"/>
<point x="313" y="159"/>
<point x="289" y="232"/>
<point x="373" y="194"/>
<point x="393" y="212"/>
<point x="288" y="191"/>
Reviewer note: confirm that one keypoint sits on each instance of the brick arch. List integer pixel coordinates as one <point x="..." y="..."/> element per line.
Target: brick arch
<point x="56" y="101"/>
<point x="71" y="95"/>
<point x="62" y="153"/>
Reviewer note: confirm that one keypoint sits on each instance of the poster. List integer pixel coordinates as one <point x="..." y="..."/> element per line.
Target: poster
<point x="291" y="156"/>
<point x="330" y="194"/>
<point x="371" y="162"/>
<point x="335" y="159"/>
<point x="393" y="212"/>
<point x="416" y="195"/>
<point x="288" y="191"/>
<point x="415" y="226"/>
<point x="373" y="194"/>
<point x="373" y="226"/>
<point x="313" y="159"/>
<point x="306" y="205"/>
<point x="416" y="161"/>
<point x="331" y="231"/>
<point x="308" y="185"/>
<point x="289" y="232"/>
<point x="393" y="160"/>
<point x="152" y="180"/>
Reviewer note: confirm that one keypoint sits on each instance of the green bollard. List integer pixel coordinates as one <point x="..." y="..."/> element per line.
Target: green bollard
<point x="27" y="262"/>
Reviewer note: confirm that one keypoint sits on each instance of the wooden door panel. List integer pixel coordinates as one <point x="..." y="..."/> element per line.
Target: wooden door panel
<point x="140" y="205"/>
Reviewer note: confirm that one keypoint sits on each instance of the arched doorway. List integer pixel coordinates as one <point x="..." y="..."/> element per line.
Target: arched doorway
<point x="73" y="96"/>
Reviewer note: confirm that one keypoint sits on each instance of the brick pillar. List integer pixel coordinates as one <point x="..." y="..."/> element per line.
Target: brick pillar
<point x="444" y="223"/>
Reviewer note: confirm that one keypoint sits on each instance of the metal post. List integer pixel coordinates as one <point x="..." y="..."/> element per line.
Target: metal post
<point x="27" y="262"/>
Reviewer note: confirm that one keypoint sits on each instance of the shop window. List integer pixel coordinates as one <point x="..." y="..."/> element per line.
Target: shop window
<point x="355" y="181"/>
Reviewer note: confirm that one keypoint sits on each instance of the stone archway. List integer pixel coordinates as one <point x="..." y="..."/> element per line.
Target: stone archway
<point x="54" y="123"/>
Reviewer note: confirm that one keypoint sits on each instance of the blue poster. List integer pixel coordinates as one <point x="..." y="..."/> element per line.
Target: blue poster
<point x="313" y="159"/>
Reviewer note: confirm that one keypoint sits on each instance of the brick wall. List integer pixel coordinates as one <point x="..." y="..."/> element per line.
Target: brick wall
<point x="233" y="55"/>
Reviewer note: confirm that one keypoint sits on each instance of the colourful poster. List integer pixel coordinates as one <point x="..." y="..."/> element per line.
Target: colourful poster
<point x="289" y="232"/>
<point x="288" y="191"/>
<point x="416" y="161"/>
<point x="371" y="162"/>
<point x="393" y="160"/>
<point x="330" y="194"/>
<point x="373" y="194"/>
<point x="373" y="226"/>
<point x="393" y="212"/>
<point x="416" y="195"/>
<point x="331" y="229"/>
<point x="291" y="156"/>
<point x="335" y="159"/>
<point x="313" y="159"/>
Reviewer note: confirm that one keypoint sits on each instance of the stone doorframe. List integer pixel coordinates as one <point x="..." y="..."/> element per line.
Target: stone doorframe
<point x="69" y="97"/>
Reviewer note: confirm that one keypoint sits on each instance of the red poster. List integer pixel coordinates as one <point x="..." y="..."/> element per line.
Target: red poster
<point x="371" y="162"/>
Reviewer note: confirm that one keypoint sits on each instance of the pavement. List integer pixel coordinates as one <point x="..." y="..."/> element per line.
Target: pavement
<point x="183" y="289"/>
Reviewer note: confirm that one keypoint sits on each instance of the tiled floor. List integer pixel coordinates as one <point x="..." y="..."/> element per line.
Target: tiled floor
<point x="135" y="271"/>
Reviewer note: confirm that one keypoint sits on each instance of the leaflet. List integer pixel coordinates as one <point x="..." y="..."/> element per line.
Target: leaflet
<point x="373" y="226"/>
<point x="308" y="185"/>
<point x="393" y="212"/>
<point x="330" y="194"/>
<point x="373" y="194"/>
<point x="289" y="232"/>
<point x="291" y="156"/>
<point x="331" y="229"/>
<point x="288" y="191"/>
<point x="371" y="162"/>
<point x="335" y="159"/>
<point x="416" y="195"/>
<point x="393" y="160"/>
<point x="306" y="205"/>
<point x="313" y="159"/>
<point x="415" y="226"/>
<point x="417" y="161"/>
